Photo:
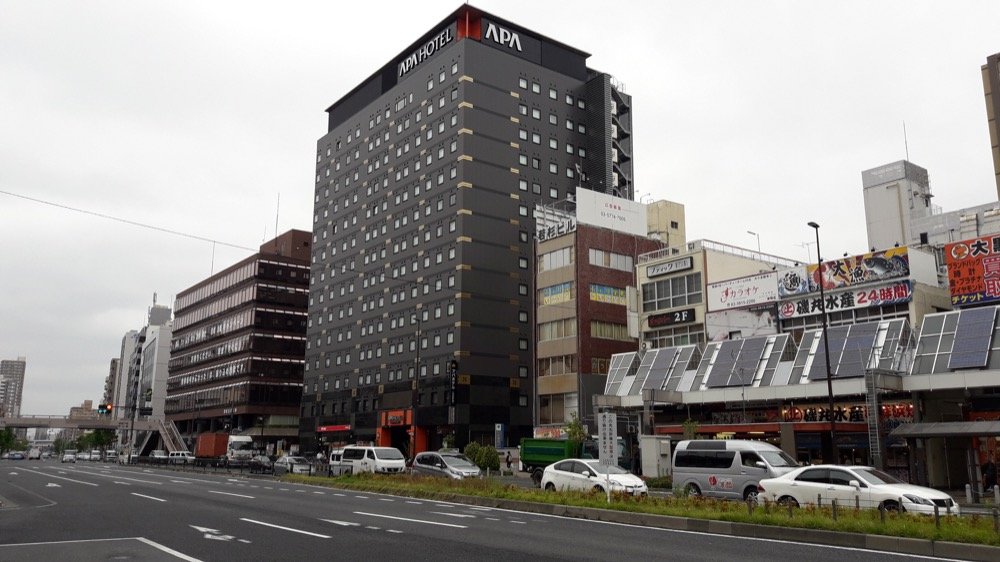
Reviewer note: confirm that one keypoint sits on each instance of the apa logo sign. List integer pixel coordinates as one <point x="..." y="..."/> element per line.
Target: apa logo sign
<point x="503" y="36"/>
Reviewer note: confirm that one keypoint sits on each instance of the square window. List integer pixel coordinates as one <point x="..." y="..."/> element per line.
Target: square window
<point x="553" y="94"/>
<point x="536" y="88"/>
<point x="569" y="99"/>
<point x="522" y="109"/>
<point x="553" y="143"/>
<point x="536" y="114"/>
<point x="522" y="83"/>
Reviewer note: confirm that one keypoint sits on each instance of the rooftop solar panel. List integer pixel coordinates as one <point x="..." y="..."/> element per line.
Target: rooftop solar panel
<point x="972" y="338"/>
<point x="725" y="360"/>
<point x="660" y="368"/>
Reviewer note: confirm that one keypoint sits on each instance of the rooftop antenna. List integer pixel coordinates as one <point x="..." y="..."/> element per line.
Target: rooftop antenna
<point x="276" y="209"/>
<point x="906" y="145"/>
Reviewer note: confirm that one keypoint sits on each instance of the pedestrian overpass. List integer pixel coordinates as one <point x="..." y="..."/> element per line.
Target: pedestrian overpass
<point x="168" y="433"/>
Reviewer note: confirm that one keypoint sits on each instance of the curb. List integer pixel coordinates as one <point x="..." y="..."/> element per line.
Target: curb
<point x="883" y="543"/>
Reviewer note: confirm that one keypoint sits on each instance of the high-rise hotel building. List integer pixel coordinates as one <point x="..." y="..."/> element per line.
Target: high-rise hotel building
<point x="421" y="313"/>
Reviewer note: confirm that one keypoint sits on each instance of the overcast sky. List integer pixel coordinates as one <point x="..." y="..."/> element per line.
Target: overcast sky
<point x="195" y="116"/>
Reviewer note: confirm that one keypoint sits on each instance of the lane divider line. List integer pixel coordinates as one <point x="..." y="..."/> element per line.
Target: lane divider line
<point x="254" y="521"/>
<point x="412" y="520"/>
<point x="231" y="494"/>
<point x="148" y="497"/>
<point x="60" y="477"/>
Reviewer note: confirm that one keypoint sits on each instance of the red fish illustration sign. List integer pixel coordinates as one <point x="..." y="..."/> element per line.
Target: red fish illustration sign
<point x="973" y="270"/>
<point x="872" y="267"/>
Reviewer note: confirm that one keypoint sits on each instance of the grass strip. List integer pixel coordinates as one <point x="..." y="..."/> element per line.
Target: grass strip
<point x="971" y="529"/>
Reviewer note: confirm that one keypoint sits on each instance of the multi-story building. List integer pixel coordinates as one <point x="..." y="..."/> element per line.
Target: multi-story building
<point x="585" y="278"/>
<point x="239" y="345"/>
<point x="991" y="88"/>
<point x="110" y="382"/>
<point x="673" y="283"/>
<point x="144" y="376"/>
<point x="896" y="196"/>
<point x="124" y="398"/>
<point x="11" y="386"/>
<point x="426" y="181"/>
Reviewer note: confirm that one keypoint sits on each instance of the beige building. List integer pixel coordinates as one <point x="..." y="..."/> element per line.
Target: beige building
<point x="673" y="283"/>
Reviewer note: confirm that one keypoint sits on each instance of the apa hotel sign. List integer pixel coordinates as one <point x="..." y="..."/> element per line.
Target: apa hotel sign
<point x="423" y="53"/>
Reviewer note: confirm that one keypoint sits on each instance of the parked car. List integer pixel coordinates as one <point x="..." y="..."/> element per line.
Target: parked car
<point x="850" y="485"/>
<point x="289" y="464"/>
<point x="17" y="456"/>
<point x="83" y="456"/>
<point x="158" y="456"/>
<point x="180" y="457"/>
<point x="364" y="458"/>
<point x="35" y="454"/>
<point x="727" y="468"/>
<point x="261" y="464"/>
<point x="449" y="465"/>
<point x="589" y="474"/>
<point x="69" y="455"/>
<point x="110" y="456"/>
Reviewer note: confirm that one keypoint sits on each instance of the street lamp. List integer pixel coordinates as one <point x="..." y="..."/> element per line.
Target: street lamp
<point x="831" y="415"/>
<point x="752" y="233"/>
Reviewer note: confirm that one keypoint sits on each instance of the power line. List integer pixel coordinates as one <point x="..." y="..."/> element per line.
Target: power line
<point x="126" y="221"/>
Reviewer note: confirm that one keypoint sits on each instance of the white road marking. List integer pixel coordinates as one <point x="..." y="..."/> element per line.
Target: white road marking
<point x="180" y="481"/>
<point x="231" y="494"/>
<point x="342" y="523"/>
<point x="340" y="495"/>
<point x="393" y="531"/>
<point x="282" y="489"/>
<point x="386" y="500"/>
<point x="61" y="478"/>
<point x="320" y="493"/>
<point x="167" y="550"/>
<point x="13" y="474"/>
<point x="411" y="520"/>
<point x="284" y="528"/>
<point x="492" y="519"/>
<point x="361" y="497"/>
<point x="444" y="505"/>
<point x="372" y="528"/>
<point x="149" y="497"/>
<point x="123" y="483"/>
<point x="52" y="485"/>
<point x="416" y="503"/>
<point x="519" y="522"/>
<point x="301" y="491"/>
<point x="244" y="540"/>
<point x="482" y="508"/>
<point x="452" y="514"/>
<point x="121" y="478"/>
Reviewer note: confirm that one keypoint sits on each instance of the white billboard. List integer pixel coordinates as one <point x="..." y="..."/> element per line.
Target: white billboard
<point x="610" y="212"/>
<point x="745" y="291"/>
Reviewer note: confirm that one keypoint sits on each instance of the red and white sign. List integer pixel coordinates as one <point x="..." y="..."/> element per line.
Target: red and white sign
<point x="881" y="295"/>
<point x="332" y="428"/>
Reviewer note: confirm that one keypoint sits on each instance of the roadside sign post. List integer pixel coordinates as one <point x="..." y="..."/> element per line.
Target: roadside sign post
<point x="607" y="444"/>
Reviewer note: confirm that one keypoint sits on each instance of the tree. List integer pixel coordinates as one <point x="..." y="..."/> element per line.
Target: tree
<point x="60" y="445"/>
<point x="690" y="429"/>
<point x="102" y="438"/>
<point x="6" y="440"/>
<point x="575" y="430"/>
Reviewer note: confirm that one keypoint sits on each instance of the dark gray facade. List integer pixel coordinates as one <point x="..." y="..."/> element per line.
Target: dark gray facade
<point x="421" y="305"/>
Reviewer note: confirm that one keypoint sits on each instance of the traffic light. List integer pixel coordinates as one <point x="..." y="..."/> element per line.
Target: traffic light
<point x="100" y="409"/>
<point x="109" y="407"/>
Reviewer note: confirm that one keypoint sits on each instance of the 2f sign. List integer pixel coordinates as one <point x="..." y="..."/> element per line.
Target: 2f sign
<point x="503" y="36"/>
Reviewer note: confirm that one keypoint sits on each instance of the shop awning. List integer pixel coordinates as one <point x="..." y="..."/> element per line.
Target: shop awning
<point x="948" y="429"/>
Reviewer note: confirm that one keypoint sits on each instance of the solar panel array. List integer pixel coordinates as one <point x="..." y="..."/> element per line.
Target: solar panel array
<point x="836" y="337"/>
<point x="725" y="361"/>
<point x="857" y="350"/>
<point x="621" y="364"/>
<point x="659" y="367"/>
<point x="972" y="338"/>
<point x="684" y="357"/>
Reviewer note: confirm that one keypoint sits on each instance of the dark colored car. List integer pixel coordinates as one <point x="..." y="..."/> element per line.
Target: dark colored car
<point x="261" y="464"/>
<point x="17" y="456"/>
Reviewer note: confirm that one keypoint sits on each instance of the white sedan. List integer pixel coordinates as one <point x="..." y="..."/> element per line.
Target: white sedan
<point x="853" y="485"/>
<point x="589" y="474"/>
<point x="292" y="465"/>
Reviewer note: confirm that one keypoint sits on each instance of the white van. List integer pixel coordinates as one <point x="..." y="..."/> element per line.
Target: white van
<point x="727" y="468"/>
<point x="383" y="460"/>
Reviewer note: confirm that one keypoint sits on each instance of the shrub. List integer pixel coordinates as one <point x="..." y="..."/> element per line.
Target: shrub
<point x="472" y="451"/>
<point x="488" y="457"/>
<point x="665" y="482"/>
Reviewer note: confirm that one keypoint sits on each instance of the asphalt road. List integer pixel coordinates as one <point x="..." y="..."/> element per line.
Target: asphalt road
<point x="97" y="511"/>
